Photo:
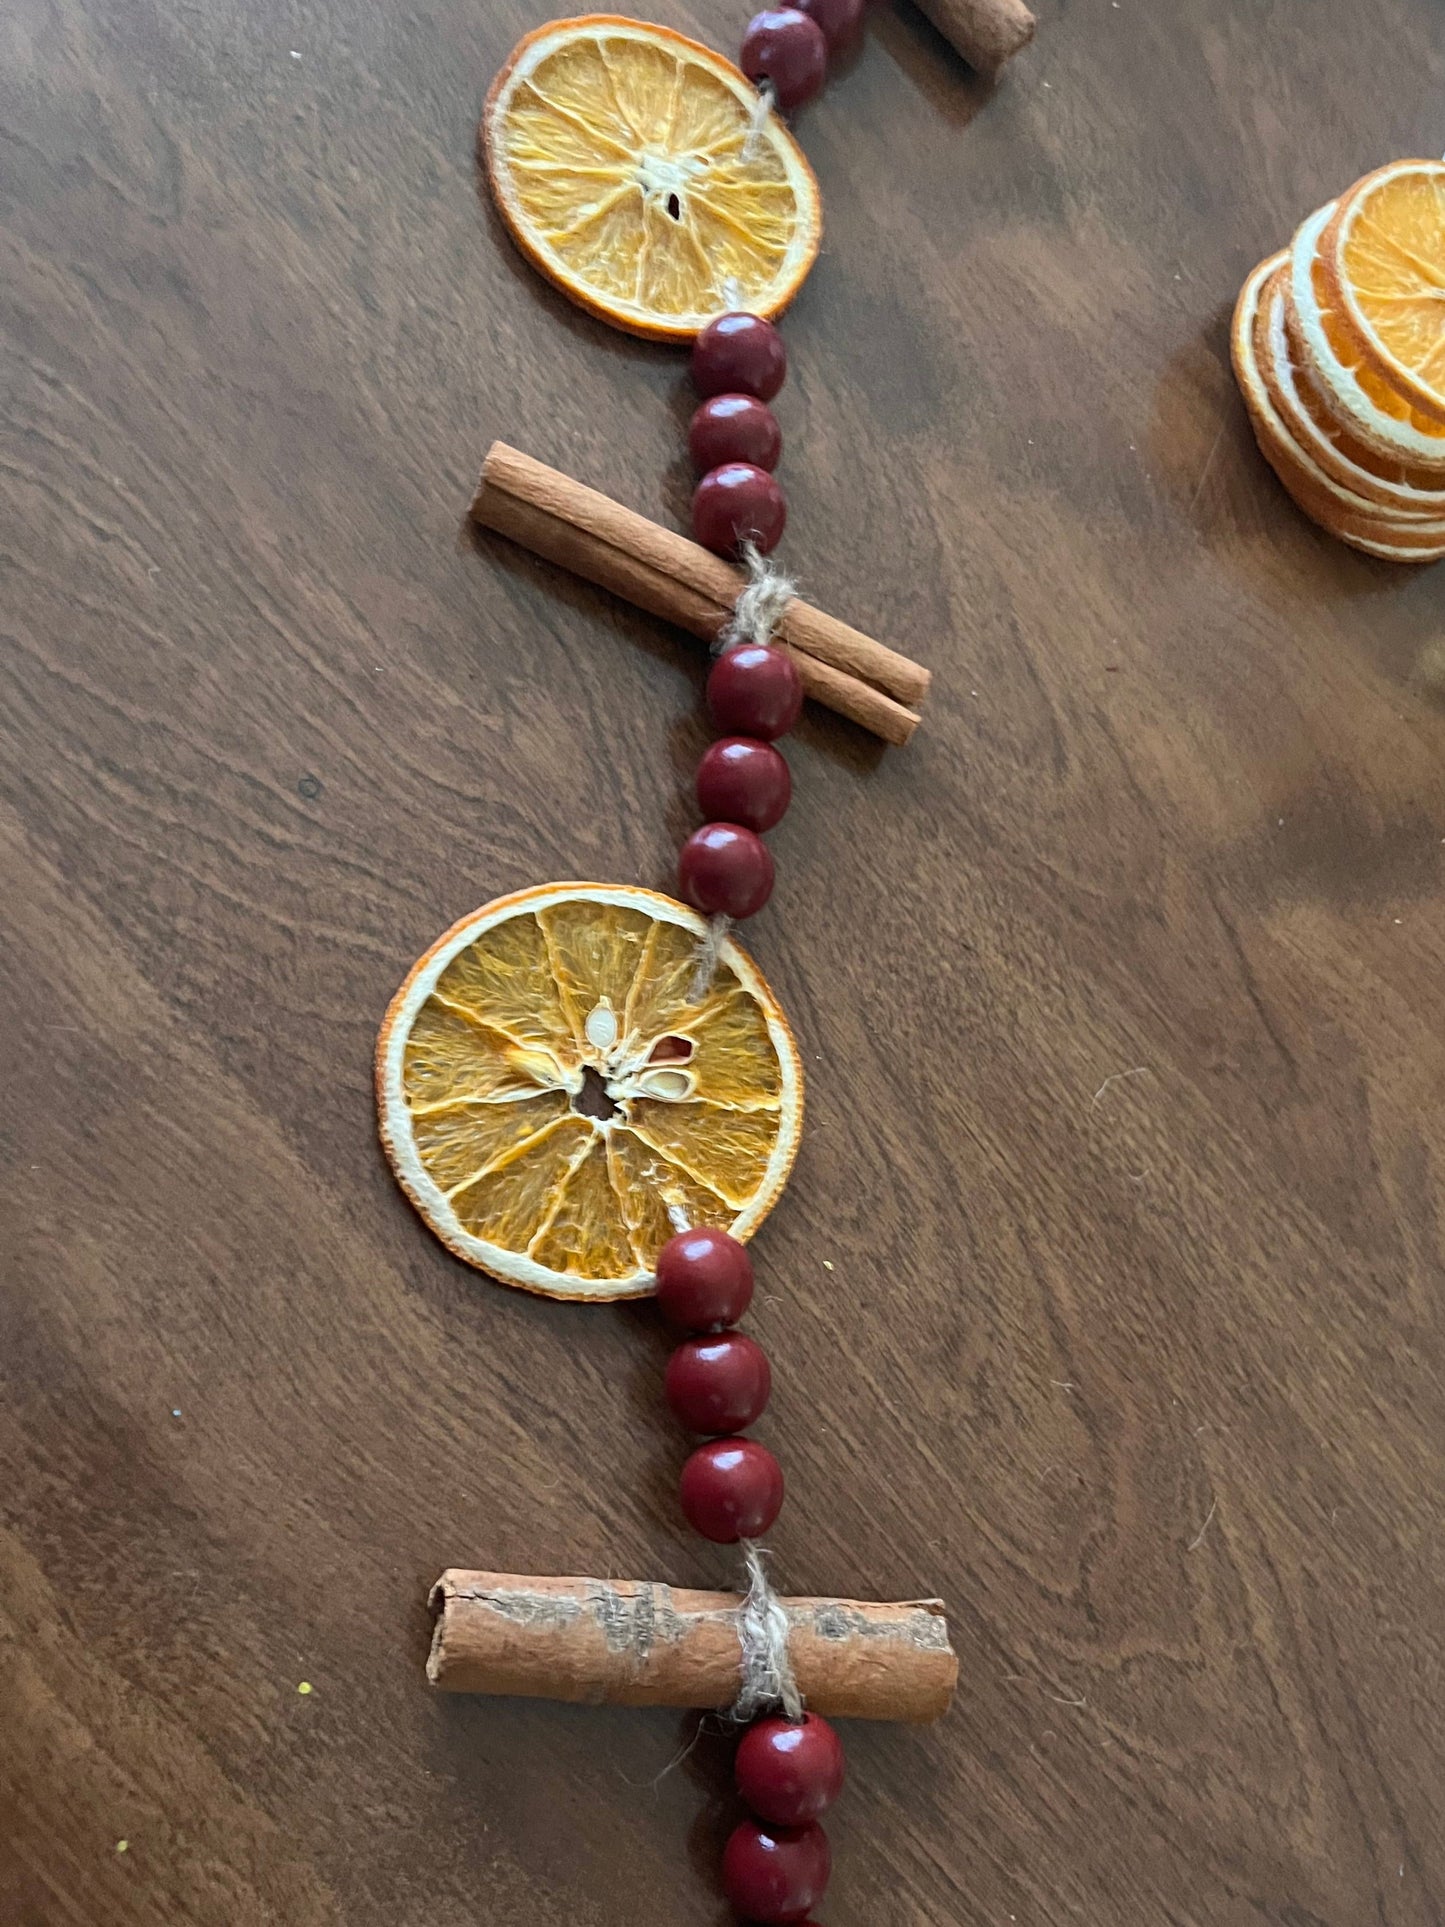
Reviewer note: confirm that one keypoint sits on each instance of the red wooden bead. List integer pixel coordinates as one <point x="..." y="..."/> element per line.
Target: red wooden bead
<point x="704" y="1280"/>
<point x="732" y="1489"/>
<point x="735" y="428"/>
<point x="775" y="1873"/>
<point x="742" y="781"/>
<point x="788" y="49"/>
<point x="790" y="1771"/>
<point x="719" y="1384"/>
<point x="739" y="503"/>
<point x="725" y="870"/>
<point x="839" y="19"/>
<point x="739" y="354"/>
<point x="755" y="690"/>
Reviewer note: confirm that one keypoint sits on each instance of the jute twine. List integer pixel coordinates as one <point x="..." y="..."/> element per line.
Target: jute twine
<point x="768" y="1680"/>
<point x="762" y="113"/>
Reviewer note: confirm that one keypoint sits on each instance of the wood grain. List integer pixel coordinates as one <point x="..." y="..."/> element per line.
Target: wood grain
<point x="1106" y="1299"/>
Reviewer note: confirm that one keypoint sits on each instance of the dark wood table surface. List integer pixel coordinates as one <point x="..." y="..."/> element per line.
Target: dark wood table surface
<point x="1106" y="1298"/>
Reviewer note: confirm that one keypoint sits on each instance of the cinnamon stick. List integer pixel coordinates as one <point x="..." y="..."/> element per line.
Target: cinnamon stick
<point x="626" y="1642"/>
<point x="657" y="570"/>
<point x="986" y="32"/>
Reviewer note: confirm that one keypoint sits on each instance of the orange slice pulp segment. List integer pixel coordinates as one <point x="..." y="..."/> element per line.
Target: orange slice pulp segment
<point x="557" y="1097"/>
<point x="629" y="164"/>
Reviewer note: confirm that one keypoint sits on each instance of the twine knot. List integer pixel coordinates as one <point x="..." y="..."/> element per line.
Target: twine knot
<point x="763" y="1630"/>
<point x="761" y="604"/>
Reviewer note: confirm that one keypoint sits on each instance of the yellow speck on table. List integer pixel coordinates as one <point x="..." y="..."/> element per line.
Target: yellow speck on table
<point x="304" y="1687"/>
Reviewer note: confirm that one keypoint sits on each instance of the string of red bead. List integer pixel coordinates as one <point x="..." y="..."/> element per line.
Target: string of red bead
<point x="739" y="363"/>
<point x="743" y="786"/>
<point x="776" y="1864"/>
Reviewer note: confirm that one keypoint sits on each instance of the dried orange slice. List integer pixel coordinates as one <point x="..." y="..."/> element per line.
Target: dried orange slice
<point x="1326" y="343"/>
<point x="1384" y="259"/>
<point x="555" y="1103"/>
<point x="632" y="170"/>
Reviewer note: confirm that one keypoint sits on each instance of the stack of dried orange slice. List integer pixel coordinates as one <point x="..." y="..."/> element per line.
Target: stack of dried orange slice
<point x="1339" y="349"/>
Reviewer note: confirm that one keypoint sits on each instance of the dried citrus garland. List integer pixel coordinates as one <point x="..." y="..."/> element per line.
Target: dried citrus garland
<point x="589" y="1090"/>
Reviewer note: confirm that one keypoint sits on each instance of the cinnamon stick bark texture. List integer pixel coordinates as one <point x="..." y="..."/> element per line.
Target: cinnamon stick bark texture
<point x="669" y="576"/>
<point x="627" y="1642"/>
<point x="986" y="32"/>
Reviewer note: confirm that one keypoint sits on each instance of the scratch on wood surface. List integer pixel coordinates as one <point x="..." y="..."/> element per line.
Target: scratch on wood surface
<point x="1139" y="1070"/>
<point x="1198" y="1538"/>
<point x="1208" y="464"/>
